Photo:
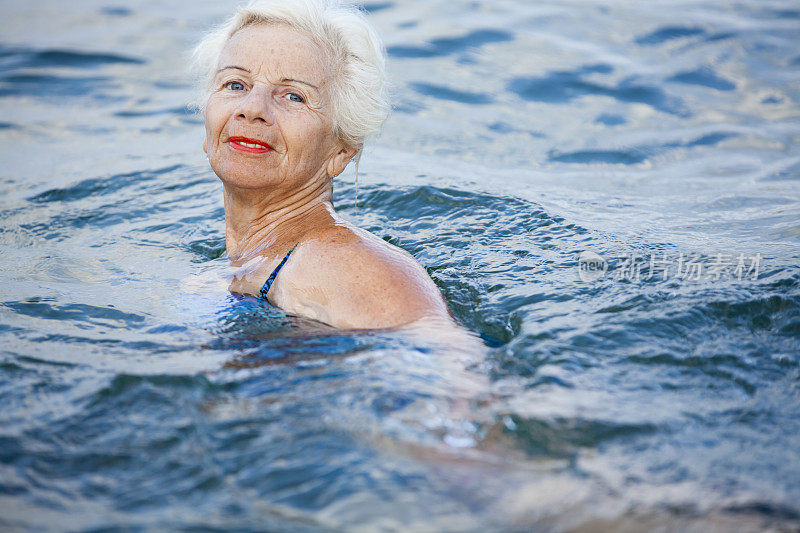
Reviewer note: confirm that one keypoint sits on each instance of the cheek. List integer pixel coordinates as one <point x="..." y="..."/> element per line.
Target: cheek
<point x="211" y="139"/>
<point x="208" y="141"/>
<point x="312" y="134"/>
<point x="214" y="122"/>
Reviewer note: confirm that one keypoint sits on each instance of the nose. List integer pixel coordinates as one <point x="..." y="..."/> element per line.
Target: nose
<point x="256" y="106"/>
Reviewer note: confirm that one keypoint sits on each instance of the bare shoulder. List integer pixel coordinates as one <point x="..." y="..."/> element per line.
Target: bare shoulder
<point x="350" y="278"/>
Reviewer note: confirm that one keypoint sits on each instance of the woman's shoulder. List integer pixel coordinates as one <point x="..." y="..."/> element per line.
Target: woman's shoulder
<point x="348" y="277"/>
<point x="344" y="242"/>
<point x="361" y="255"/>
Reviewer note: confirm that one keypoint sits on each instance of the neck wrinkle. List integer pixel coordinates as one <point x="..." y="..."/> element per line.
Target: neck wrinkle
<point x="253" y="222"/>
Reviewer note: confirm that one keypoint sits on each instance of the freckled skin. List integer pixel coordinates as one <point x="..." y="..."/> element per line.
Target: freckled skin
<point x="272" y="86"/>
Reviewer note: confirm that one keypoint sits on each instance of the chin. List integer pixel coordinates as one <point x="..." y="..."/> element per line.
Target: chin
<point x="243" y="178"/>
<point x="246" y="182"/>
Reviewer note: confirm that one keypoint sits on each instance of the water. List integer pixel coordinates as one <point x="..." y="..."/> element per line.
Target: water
<point x="139" y="394"/>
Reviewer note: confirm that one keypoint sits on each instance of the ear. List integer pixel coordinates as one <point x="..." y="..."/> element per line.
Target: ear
<point x="205" y="145"/>
<point x="338" y="162"/>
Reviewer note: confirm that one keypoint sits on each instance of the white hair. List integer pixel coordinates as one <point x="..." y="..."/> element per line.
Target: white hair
<point x="358" y="92"/>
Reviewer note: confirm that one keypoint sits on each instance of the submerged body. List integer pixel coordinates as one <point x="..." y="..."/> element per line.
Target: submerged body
<point x="342" y="275"/>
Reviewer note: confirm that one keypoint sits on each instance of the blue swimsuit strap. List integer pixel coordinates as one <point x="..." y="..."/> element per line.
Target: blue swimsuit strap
<point x="267" y="284"/>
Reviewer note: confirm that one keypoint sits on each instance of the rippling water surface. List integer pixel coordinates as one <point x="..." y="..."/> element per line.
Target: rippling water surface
<point x="138" y="394"/>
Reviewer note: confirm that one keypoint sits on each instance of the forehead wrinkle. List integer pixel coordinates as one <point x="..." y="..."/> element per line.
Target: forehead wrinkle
<point x="281" y="65"/>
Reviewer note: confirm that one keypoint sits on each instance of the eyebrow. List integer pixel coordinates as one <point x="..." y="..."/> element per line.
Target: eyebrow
<point x="233" y="67"/>
<point x="291" y="80"/>
<point x="284" y="80"/>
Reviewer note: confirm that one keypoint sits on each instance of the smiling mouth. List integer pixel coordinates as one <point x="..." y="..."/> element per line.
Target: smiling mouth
<point x="245" y="144"/>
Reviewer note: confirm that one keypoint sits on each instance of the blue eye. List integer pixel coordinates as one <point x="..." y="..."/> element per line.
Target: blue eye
<point x="235" y="86"/>
<point x="294" y="97"/>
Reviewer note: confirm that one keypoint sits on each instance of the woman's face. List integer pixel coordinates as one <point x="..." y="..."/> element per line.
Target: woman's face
<point x="269" y="118"/>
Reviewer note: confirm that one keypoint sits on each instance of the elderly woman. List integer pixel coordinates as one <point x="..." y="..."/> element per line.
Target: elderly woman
<point x="292" y="89"/>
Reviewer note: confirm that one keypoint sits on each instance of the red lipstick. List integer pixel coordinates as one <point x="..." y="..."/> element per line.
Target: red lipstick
<point x="255" y="146"/>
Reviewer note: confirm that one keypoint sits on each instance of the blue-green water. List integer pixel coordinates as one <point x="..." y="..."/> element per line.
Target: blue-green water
<point x="136" y="393"/>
